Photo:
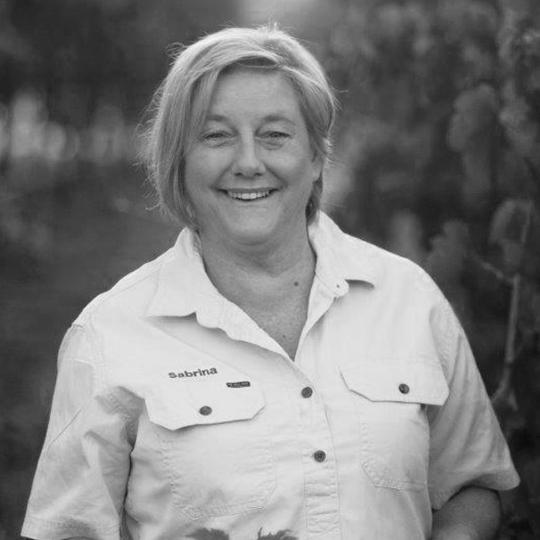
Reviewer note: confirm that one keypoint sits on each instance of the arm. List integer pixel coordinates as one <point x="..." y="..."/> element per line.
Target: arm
<point x="467" y="445"/>
<point x="80" y="481"/>
<point x="472" y="514"/>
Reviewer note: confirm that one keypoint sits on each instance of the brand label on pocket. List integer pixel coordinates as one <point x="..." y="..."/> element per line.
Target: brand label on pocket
<point x="238" y="384"/>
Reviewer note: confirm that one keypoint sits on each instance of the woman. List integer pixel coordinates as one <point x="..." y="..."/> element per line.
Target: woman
<point x="267" y="374"/>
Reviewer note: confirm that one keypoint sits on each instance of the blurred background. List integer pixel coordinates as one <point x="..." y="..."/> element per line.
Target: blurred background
<point x="437" y="158"/>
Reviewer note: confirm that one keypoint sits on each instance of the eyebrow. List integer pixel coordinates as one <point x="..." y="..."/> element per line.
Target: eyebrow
<point x="216" y="118"/>
<point x="274" y="117"/>
<point x="277" y="118"/>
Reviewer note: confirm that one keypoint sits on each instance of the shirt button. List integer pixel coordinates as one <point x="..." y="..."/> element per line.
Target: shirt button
<point x="319" y="456"/>
<point x="404" y="388"/>
<point x="307" y="392"/>
<point x="206" y="410"/>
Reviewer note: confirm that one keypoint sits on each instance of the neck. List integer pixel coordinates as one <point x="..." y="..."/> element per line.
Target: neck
<point x="261" y="271"/>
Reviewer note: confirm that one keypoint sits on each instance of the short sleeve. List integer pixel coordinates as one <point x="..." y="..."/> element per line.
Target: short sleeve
<point x="80" y="481"/>
<point x="467" y="447"/>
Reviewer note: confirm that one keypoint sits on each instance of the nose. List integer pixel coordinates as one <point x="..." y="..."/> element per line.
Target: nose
<point x="247" y="162"/>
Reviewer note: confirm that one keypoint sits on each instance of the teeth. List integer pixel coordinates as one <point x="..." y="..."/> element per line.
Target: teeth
<point x="249" y="196"/>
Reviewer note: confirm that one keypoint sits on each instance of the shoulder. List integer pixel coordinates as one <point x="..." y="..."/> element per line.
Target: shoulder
<point x="398" y="286"/>
<point x="387" y="270"/>
<point x="131" y="295"/>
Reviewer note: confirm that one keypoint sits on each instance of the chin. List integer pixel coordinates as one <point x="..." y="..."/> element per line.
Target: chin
<point x="252" y="231"/>
<point x="251" y="236"/>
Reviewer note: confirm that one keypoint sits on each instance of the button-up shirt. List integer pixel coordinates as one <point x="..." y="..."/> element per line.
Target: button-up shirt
<point x="176" y="416"/>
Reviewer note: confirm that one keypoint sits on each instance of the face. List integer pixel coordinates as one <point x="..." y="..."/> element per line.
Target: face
<point x="249" y="173"/>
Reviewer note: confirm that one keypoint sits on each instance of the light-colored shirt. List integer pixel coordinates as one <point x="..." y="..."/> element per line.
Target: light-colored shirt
<point x="174" y="412"/>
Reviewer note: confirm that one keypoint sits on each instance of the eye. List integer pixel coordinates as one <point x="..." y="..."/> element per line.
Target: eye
<point x="277" y="135"/>
<point x="275" y="138"/>
<point x="216" y="136"/>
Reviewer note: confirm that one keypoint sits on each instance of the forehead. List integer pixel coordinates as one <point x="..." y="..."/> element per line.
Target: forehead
<point x="254" y="91"/>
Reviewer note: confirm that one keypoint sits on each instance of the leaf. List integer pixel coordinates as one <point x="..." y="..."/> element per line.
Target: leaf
<point x="535" y="308"/>
<point x="531" y="479"/>
<point x="526" y="381"/>
<point x="514" y="178"/>
<point x="508" y="221"/>
<point x="209" y="534"/>
<point x="521" y="129"/>
<point x="471" y="133"/>
<point x="446" y="260"/>
<point x="280" y="535"/>
<point x="477" y="166"/>
<point x="529" y="310"/>
<point x="465" y="19"/>
<point x="215" y="534"/>
<point x="473" y="119"/>
<point x="512" y="253"/>
<point x="506" y="231"/>
<point x="508" y="414"/>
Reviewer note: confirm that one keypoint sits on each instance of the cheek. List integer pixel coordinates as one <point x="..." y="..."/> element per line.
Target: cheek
<point x="295" y="166"/>
<point x="200" y="170"/>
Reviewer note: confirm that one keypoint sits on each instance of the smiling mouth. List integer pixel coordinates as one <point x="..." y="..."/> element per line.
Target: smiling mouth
<point x="248" y="195"/>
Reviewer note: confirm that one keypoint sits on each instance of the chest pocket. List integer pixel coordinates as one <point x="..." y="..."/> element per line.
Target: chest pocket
<point x="215" y="446"/>
<point x="390" y="401"/>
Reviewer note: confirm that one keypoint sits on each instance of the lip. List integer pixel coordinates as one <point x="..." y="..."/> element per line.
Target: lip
<point x="247" y="190"/>
<point x="248" y="194"/>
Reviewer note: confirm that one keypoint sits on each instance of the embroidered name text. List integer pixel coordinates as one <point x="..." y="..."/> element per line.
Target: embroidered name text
<point x="197" y="372"/>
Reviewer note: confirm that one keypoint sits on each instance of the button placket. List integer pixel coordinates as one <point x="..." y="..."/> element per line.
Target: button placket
<point x="320" y="472"/>
<point x="320" y="477"/>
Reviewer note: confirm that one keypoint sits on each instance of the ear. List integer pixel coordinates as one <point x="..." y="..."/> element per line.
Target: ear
<point x="318" y="163"/>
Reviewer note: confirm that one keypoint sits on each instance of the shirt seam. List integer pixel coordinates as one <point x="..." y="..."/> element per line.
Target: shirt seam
<point x="111" y="294"/>
<point x="109" y="392"/>
<point x="49" y="443"/>
<point x="54" y="524"/>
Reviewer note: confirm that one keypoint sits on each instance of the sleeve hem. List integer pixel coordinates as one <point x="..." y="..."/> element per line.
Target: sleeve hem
<point x="499" y="482"/>
<point x="42" y="529"/>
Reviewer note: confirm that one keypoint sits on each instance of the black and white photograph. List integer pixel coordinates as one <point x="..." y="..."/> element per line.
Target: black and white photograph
<point x="270" y="270"/>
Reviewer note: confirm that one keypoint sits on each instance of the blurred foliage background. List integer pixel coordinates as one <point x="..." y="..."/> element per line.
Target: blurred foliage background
<point x="437" y="158"/>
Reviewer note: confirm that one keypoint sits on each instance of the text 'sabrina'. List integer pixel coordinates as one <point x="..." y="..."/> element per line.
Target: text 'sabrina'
<point x="196" y="373"/>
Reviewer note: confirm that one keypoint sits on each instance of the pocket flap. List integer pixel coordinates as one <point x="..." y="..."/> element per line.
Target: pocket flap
<point x="411" y="382"/>
<point x="188" y="403"/>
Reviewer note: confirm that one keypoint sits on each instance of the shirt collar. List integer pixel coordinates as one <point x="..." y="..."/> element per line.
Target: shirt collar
<point x="341" y="258"/>
<point x="184" y="287"/>
<point x="182" y="280"/>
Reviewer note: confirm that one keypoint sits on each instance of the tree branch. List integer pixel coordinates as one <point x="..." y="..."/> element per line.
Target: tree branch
<point x="502" y="393"/>
<point x="490" y="269"/>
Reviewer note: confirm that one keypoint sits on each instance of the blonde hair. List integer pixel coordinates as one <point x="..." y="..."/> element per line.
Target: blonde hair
<point x="181" y="104"/>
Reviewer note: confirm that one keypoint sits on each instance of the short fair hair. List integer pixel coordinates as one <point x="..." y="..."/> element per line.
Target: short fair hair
<point x="181" y="104"/>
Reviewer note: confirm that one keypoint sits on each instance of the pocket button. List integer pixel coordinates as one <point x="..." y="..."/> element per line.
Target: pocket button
<point x="404" y="388"/>
<point x="205" y="410"/>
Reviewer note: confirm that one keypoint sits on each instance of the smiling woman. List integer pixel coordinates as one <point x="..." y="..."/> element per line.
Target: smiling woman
<point x="183" y="103"/>
<point x="251" y="171"/>
<point x="268" y="372"/>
